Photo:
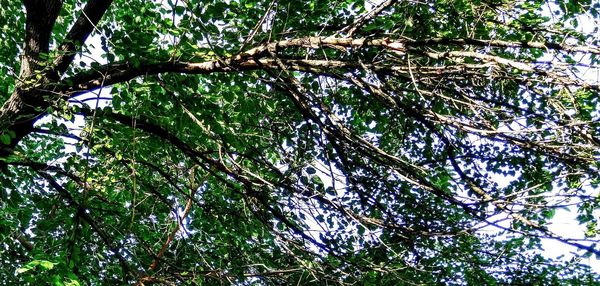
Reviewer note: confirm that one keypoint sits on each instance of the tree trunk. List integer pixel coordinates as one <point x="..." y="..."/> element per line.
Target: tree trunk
<point x="26" y="103"/>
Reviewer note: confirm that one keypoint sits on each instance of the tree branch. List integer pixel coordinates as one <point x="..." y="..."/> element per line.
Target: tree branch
<point x="365" y="18"/>
<point x="41" y="16"/>
<point x="87" y="218"/>
<point x="258" y="58"/>
<point x="81" y="29"/>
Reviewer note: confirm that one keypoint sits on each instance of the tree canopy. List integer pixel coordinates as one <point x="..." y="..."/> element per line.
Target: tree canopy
<point x="280" y="142"/>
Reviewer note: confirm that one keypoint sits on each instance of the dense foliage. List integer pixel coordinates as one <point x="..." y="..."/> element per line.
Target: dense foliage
<point x="186" y="142"/>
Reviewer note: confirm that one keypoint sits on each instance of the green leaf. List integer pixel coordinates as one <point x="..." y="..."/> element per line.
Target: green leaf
<point x="23" y="269"/>
<point x="5" y="138"/>
<point x="47" y="265"/>
<point x="57" y="281"/>
<point x="434" y="123"/>
<point x="549" y="213"/>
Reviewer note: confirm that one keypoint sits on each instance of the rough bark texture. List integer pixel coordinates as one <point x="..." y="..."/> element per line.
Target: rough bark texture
<point x="38" y="75"/>
<point x="26" y="103"/>
<point x="41" y="15"/>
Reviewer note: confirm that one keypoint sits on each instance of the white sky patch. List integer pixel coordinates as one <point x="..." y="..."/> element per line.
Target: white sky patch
<point x="564" y="222"/>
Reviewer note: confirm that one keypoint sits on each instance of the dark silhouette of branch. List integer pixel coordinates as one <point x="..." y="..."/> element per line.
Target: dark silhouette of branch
<point x="86" y="216"/>
<point x="79" y="32"/>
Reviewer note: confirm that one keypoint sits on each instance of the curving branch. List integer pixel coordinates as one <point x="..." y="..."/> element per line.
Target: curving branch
<point x="27" y="103"/>
<point x="259" y="58"/>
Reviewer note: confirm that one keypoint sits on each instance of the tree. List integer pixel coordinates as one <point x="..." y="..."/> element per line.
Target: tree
<point x="308" y="142"/>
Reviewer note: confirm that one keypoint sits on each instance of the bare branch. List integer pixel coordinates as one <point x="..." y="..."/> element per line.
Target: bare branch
<point x="363" y="19"/>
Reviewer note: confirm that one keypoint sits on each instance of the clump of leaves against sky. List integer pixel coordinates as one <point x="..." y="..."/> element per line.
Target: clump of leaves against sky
<point x="280" y="142"/>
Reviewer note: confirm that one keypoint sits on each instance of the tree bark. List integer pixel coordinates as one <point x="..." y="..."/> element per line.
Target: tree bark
<point x="38" y="75"/>
<point x="26" y="104"/>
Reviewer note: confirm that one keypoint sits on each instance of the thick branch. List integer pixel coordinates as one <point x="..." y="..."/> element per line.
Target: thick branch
<point x="27" y="104"/>
<point x="20" y="110"/>
<point x="23" y="241"/>
<point x="41" y="15"/>
<point x="81" y="29"/>
<point x="258" y="58"/>
<point x="508" y="44"/>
